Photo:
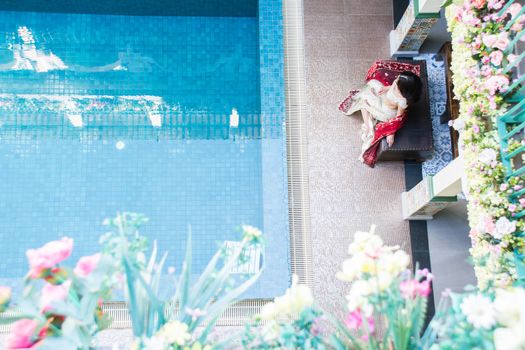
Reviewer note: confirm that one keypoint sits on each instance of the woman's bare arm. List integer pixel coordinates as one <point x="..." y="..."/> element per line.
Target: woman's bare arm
<point x="400" y="110"/>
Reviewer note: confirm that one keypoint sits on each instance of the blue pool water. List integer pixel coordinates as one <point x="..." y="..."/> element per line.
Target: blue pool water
<point x="107" y="113"/>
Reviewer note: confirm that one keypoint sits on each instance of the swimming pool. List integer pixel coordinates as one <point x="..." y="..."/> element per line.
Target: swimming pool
<point x="106" y="110"/>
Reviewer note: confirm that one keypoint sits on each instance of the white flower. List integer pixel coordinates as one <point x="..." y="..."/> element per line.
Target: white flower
<point x="365" y="242"/>
<point x="395" y="263"/>
<point x="350" y="271"/>
<point x="504" y="227"/>
<point x="251" y="232"/>
<point x="510" y="306"/>
<point x="381" y="282"/>
<point x="479" y="311"/>
<point x="291" y="304"/>
<point x="269" y="311"/>
<point x="487" y="156"/>
<point x="459" y="124"/>
<point x="509" y="338"/>
<point x="296" y="299"/>
<point x="357" y="298"/>
<point x="155" y="343"/>
<point x="175" y="332"/>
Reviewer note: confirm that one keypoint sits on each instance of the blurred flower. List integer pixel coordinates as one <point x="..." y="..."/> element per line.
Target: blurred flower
<point x="175" y="332"/>
<point x="497" y="83"/>
<point x="195" y="313"/>
<point x="514" y="9"/>
<point x="53" y="293"/>
<point x="496" y="57"/>
<point x="495" y="4"/>
<point x="366" y="242"/>
<point x="509" y="338"/>
<point x="479" y="311"/>
<point x="155" y="343"/>
<point x="48" y="256"/>
<point x="354" y="321"/>
<point x="412" y="288"/>
<point x="24" y="335"/>
<point x="479" y="3"/>
<point x="251" y="233"/>
<point x="504" y="227"/>
<point x="269" y="311"/>
<point x="510" y="313"/>
<point x="86" y="265"/>
<point x="296" y="298"/>
<point x="5" y="297"/>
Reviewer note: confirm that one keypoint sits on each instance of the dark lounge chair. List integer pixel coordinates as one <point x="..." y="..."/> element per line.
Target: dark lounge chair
<point x="414" y="140"/>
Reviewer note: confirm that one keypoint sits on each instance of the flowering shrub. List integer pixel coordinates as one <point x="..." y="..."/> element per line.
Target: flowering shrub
<point x="478" y="320"/>
<point x="383" y="294"/>
<point x="480" y="38"/>
<point x="60" y="306"/>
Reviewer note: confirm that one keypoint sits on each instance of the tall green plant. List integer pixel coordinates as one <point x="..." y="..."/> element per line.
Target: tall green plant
<point x="194" y="303"/>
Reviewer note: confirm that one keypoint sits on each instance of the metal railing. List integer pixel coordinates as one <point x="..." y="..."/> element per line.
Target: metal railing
<point x="511" y="125"/>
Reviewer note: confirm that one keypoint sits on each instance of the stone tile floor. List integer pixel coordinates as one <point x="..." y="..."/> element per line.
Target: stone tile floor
<point x="342" y="39"/>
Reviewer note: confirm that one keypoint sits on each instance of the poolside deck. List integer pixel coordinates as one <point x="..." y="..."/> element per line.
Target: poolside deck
<point x="342" y="39"/>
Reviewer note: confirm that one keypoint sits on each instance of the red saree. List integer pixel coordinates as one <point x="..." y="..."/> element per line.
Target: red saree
<point x="385" y="72"/>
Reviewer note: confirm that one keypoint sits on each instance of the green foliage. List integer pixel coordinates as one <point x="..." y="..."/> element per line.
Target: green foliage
<point x="193" y="304"/>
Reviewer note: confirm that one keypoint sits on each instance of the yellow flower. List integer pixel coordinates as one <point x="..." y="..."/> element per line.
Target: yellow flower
<point x="5" y="297"/>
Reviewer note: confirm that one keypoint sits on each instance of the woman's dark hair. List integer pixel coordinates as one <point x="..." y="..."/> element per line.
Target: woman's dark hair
<point x="409" y="85"/>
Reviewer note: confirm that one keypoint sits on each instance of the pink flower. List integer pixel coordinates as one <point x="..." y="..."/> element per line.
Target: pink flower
<point x="512" y="208"/>
<point x="489" y="40"/>
<point x="479" y="3"/>
<point x="503" y="187"/>
<point x="411" y="288"/>
<point x="408" y="288"/>
<point x="86" y="265"/>
<point x="53" y="293"/>
<point x="522" y="202"/>
<point x="354" y="321"/>
<point x="518" y="26"/>
<point x="496" y="57"/>
<point x="490" y="226"/>
<point x="470" y="19"/>
<point x="48" y="256"/>
<point x="502" y="41"/>
<point x="24" y="335"/>
<point x="495" y="4"/>
<point x="423" y="288"/>
<point x="477" y="43"/>
<point x="497" y="83"/>
<point x="514" y="9"/>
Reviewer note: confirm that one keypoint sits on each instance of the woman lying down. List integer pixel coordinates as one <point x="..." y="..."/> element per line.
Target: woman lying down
<point x="390" y="89"/>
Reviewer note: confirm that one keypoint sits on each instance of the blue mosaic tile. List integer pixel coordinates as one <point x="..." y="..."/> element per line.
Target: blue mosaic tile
<point x="117" y="73"/>
<point x="438" y="101"/>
